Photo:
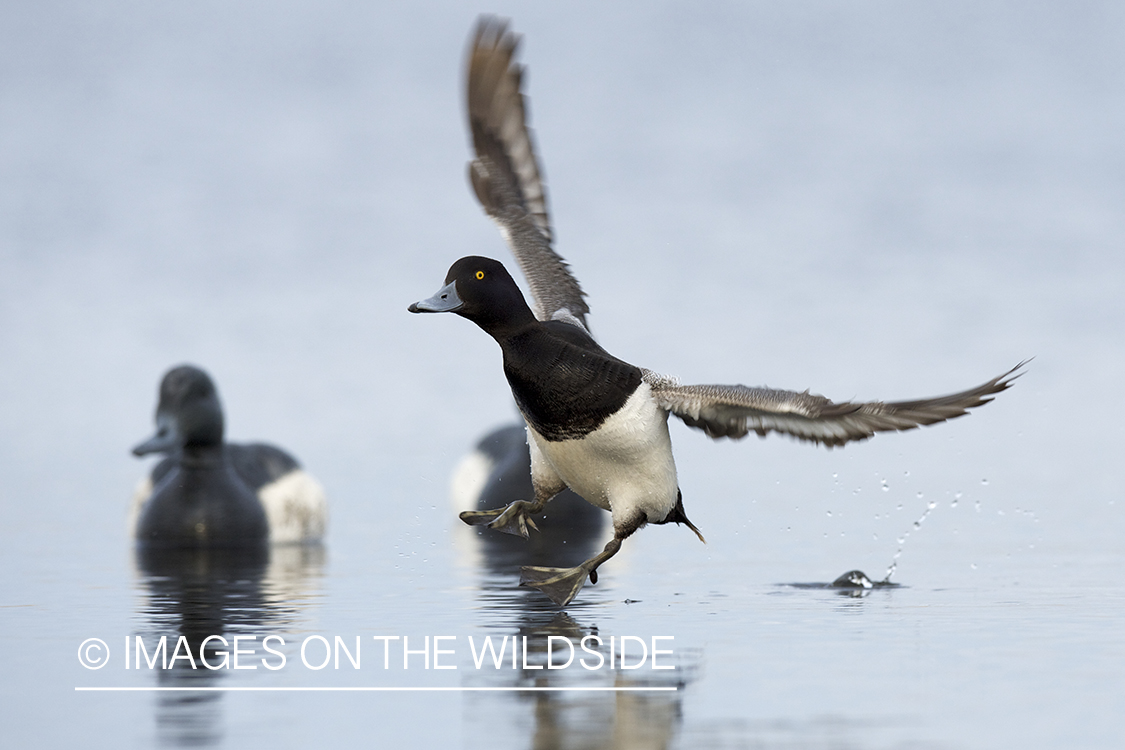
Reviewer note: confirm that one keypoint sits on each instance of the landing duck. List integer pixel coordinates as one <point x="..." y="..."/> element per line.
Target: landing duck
<point x="596" y="424"/>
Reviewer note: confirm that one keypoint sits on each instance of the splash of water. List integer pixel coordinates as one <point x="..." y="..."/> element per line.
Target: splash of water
<point x="902" y="539"/>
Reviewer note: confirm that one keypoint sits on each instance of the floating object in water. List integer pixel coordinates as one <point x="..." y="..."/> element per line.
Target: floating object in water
<point x="209" y="493"/>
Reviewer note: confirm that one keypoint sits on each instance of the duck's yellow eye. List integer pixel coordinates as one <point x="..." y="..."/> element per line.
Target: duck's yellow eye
<point x="480" y="275"/>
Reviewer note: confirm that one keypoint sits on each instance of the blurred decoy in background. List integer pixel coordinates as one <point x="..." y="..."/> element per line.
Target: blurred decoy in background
<point x="597" y="424"/>
<point x="209" y="493"/>
<point x="496" y="473"/>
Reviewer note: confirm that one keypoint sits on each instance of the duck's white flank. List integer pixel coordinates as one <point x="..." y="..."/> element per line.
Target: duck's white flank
<point x="296" y="508"/>
<point x="469" y="479"/>
<point x="141" y="494"/>
<point x="624" y="466"/>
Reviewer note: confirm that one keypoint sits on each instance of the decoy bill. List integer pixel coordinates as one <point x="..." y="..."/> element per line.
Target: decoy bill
<point x="595" y="423"/>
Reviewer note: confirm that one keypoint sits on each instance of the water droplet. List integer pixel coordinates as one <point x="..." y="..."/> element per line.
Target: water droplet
<point x="829" y="514"/>
<point x="886" y="487"/>
<point x="899" y="507"/>
<point x="875" y="537"/>
<point x="984" y="481"/>
<point x="919" y="495"/>
<point x="973" y="566"/>
<point x="906" y="473"/>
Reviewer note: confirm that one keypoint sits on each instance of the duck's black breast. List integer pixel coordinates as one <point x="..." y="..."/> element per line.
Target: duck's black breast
<point x="565" y="385"/>
<point x="202" y="506"/>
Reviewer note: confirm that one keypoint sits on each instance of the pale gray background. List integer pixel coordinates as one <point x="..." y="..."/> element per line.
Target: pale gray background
<point x="871" y="199"/>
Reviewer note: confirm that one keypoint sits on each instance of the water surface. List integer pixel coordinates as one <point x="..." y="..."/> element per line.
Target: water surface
<point x="872" y="200"/>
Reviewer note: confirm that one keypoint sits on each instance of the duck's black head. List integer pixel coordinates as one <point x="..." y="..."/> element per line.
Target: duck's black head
<point x="483" y="291"/>
<point x="188" y="415"/>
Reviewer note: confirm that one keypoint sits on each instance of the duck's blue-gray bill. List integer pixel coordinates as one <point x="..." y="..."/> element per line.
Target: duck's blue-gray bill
<point x="446" y="300"/>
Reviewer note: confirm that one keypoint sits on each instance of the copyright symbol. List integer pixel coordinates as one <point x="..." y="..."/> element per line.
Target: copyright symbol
<point x="90" y="653"/>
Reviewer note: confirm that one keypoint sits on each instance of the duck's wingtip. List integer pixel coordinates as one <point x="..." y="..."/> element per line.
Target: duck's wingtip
<point x="1006" y="380"/>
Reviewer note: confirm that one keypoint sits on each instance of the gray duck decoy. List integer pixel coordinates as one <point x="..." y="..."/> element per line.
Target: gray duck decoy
<point x="210" y="493"/>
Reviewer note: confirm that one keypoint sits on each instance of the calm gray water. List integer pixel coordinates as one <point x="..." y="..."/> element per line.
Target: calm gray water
<point x="869" y="199"/>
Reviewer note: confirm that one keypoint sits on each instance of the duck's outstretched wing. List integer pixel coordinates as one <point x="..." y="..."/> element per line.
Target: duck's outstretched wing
<point x="505" y="174"/>
<point x="736" y="410"/>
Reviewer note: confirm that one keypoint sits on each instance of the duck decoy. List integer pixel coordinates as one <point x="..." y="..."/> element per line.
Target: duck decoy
<point x="210" y="493"/>
<point x="496" y="473"/>
<point x="595" y="423"/>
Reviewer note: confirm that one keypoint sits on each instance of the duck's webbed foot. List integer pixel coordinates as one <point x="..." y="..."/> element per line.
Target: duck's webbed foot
<point x="561" y="585"/>
<point x="513" y="519"/>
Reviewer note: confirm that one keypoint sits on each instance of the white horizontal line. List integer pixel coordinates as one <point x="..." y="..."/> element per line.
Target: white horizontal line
<point x="377" y="689"/>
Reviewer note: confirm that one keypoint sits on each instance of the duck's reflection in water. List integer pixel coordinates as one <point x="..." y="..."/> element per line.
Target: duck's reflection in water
<point x="570" y="531"/>
<point x="624" y="719"/>
<point x="199" y="593"/>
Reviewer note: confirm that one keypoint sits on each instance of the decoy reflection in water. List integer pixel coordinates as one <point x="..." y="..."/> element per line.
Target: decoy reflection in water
<point x="597" y="424"/>
<point x="209" y="493"/>
<point x="195" y="593"/>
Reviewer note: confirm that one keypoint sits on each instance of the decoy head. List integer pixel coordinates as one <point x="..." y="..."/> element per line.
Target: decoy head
<point x="189" y="413"/>
<point x="483" y="291"/>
